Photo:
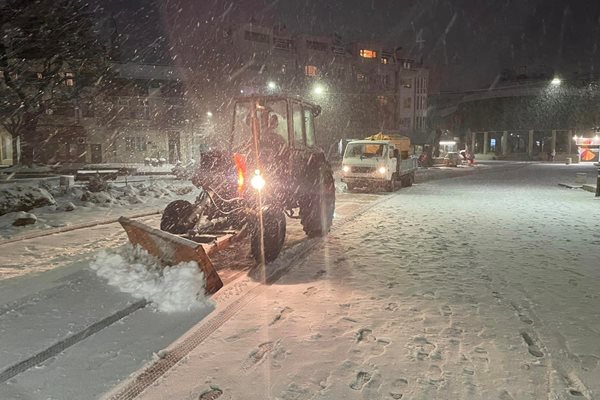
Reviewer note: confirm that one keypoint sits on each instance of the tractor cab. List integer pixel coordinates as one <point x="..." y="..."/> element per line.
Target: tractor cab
<point x="272" y="120"/>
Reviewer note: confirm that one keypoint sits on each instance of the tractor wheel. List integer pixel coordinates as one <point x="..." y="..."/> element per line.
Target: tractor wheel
<point x="317" y="206"/>
<point x="273" y="236"/>
<point x="178" y="217"/>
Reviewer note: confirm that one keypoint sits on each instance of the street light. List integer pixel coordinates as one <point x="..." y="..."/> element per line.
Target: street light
<point x="272" y="85"/>
<point x="209" y="114"/>
<point x="556" y="81"/>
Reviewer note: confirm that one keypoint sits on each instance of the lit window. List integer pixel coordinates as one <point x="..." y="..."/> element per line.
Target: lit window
<point x="69" y="79"/>
<point x="385" y="60"/>
<point x="310" y="70"/>
<point x="364" y="53"/>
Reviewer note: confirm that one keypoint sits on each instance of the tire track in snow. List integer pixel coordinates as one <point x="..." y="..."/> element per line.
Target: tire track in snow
<point x="64" y="344"/>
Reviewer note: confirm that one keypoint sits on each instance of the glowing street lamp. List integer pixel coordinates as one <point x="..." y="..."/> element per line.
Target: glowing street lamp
<point x="556" y="81"/>
<point x="272" y="85"/>
<point x="209" y="114"/>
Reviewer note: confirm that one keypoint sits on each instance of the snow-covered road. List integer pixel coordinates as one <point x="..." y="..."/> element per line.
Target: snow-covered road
<point x="56" y="305"/>
<point x="482" y="287"/>
<point x="431" y="293"/>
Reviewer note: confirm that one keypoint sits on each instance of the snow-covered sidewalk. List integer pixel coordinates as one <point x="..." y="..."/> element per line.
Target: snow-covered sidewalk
<point x="481" y="287"/>
<point x="76" y="206"/>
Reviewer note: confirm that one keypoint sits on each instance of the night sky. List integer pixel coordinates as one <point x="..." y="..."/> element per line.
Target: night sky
<point x="466" y="43"/>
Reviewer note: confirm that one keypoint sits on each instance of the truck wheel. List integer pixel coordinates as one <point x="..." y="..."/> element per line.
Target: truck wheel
<point x="317" y="206"/>
<point x="273" y="236"/>
<point x="391" y="185"/>
<point x="178" y="217"/>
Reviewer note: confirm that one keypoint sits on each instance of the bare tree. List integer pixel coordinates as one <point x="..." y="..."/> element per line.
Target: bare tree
<point x="50" y="55"/>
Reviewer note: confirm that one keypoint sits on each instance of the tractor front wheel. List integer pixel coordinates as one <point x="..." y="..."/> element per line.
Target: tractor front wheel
<point x="178" y="217"/>
<point x="273" y="236"/>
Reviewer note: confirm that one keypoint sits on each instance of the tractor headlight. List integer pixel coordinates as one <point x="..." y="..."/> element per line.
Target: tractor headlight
<point x="257" y="181"/>
<point x="346" y="168"/>
<point x="382" y="170"/>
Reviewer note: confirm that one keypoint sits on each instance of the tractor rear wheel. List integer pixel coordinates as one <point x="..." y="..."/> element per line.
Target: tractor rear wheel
<point x="318" y="205"/>
<point x="273" y="234"/>
<point x="178" y="217"/>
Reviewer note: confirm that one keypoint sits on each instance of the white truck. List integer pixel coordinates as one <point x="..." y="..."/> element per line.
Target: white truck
<point x="378" y="161"/>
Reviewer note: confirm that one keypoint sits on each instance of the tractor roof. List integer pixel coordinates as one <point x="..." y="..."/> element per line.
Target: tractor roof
<point x="274" y="98"/>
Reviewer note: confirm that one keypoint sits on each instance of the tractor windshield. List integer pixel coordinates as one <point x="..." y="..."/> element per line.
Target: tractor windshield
<point x="365" y="150"/>
<point x="271" y="119"/>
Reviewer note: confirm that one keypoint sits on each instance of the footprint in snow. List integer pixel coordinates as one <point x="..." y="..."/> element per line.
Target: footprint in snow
<point x="534" y="350"/>
<point x="256" y="356"/>
<point x="319" y="274"/>
<point x="398" y="387"/>
<point x="339" y="259"/>
<point x="446" y="311"/>
<point x="362" y="378"/>
<point x="281" y="315"/>
<point x="364" y="334"/>
<point x="310" y="291"/>
<point x="212" y="394"/>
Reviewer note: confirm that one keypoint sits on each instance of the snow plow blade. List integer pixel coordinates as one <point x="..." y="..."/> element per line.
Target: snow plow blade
<point x="172" y="249"/>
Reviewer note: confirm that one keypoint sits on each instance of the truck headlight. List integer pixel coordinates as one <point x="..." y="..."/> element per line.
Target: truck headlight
<point x="382" y="170"/>
<point x="257" y="181"/>
<point x="346" y="168"/>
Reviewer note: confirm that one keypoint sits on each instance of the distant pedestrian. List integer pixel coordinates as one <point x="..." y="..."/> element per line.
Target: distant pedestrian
<point x="471" y="158"/>
<point x="552" y="154"/>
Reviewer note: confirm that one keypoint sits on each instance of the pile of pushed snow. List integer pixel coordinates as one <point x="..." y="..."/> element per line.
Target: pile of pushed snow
<point x="14" y="198"/>
<point x="134" y="271"/>
<point x="132" y="194"/>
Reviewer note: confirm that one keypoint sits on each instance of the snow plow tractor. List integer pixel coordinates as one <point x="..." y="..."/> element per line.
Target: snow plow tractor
<point x="270" y="169"/>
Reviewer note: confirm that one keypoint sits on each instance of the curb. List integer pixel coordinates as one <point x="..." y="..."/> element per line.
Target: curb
<point x="589" y="188"/>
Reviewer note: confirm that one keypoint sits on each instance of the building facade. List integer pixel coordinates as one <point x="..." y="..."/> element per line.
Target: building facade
<point x="363" y="87"/>
<point x="170" y="112"/>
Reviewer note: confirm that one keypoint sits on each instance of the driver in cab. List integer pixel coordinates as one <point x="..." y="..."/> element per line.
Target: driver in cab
<point x="270" y="137"/>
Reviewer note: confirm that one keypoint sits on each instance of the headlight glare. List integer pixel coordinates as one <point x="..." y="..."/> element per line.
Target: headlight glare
<point x="382" y="170"/>
<point x="257" y="181"/>
<point x="346" y="168"/>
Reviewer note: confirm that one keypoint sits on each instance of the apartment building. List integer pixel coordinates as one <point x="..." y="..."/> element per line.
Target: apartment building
<point x="379" y="88"/>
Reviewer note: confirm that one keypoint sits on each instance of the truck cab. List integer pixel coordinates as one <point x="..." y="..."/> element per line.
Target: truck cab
<point x="376" y="163"/>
